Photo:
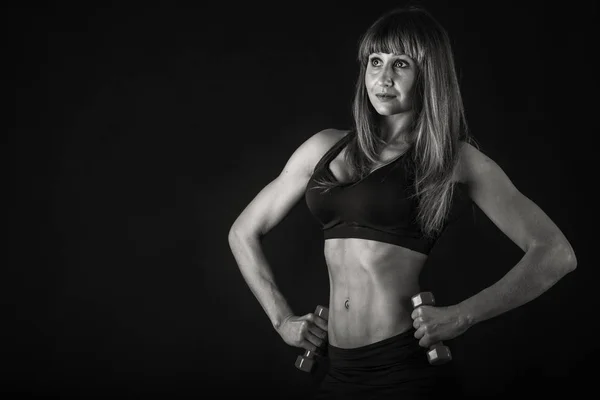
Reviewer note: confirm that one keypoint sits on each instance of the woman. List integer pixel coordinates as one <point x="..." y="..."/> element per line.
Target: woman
<point x="383" y="193"/>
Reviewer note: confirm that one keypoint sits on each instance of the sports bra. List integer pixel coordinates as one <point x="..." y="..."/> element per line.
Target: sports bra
<point x="381" y="206"/>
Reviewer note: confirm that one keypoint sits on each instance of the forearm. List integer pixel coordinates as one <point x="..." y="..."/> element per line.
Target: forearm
<point x="257" y="273"/>
<point x="539" y="269"/>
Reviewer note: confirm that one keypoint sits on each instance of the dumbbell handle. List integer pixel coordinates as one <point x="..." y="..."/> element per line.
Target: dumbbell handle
<point x="309" y="355"/>
<point x="321" y="312"/>
<point x="426" y="298"/>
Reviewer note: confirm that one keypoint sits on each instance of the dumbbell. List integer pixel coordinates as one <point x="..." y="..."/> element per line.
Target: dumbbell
<point x="437" y="353"/>
<point x="306" y="362"/>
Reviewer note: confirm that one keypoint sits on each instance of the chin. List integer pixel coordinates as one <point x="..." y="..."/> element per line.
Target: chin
<point x="386" y="111"/>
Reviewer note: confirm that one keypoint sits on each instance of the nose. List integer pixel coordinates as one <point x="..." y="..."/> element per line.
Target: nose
<point x="385" y="78"/>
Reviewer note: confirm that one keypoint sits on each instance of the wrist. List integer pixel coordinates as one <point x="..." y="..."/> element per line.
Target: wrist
<point x="280" y="320"/>
<point x="466" y="318"/>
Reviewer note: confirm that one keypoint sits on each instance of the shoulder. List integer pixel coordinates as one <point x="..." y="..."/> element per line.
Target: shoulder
<point x="473" y="164"/>
<point x="482" y="176"/>
<point x="322" y="141"/>
<point x="470" y="160"/>
<point x="311" y="150"/>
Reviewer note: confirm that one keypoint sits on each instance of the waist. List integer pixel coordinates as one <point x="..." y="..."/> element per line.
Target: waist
<point x="371" y="285"/>
<point x="363" y="310"/>
<point x="351" y="329"/>
<point x="378" y="351"/>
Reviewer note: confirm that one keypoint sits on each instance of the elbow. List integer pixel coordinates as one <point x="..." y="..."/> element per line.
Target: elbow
<point x="563" y="259"/>
<point x="552" y="261"/>
<point x="238" y="233"/>
<point x="565" y="256"/>
<point x="231" y="236"/>
<point x="570" y="261"/>
<point x="234" y="235"/>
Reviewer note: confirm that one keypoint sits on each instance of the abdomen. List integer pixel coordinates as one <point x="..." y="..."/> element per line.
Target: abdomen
<point x="371" y="284"/>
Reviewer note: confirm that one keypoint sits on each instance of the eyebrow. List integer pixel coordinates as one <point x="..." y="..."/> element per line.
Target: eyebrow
<point x="393" y="55"/>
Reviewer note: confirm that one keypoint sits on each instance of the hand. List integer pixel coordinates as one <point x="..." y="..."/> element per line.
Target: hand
<point x="435" y="324"/>
<point x="308" y="332"/>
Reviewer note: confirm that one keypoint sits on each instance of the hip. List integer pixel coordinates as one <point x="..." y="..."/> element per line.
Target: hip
<point x="394" y="366"/>
<point x="360" y="327"/>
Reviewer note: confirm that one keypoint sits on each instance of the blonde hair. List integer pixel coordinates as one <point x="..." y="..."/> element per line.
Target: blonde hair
<point x="439" y="124"/>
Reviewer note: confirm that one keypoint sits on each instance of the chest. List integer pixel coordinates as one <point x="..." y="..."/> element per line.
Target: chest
<point x="339" y="169"/>
<point x="383" y="197"/>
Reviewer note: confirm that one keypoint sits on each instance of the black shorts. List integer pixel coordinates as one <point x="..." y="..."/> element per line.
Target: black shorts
<point x="393" y="368"/>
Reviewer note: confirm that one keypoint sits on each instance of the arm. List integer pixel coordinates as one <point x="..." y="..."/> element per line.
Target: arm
<point x="548" y="254"/>
<point x="264" y="212"/>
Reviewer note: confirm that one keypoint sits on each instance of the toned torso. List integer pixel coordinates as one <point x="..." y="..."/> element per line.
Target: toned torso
<point x="371" y="283"/>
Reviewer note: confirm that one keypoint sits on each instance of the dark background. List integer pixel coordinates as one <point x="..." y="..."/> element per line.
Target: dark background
<point x="141" y="133"/>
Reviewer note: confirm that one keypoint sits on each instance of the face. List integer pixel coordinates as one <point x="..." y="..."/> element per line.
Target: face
<point x="389" y="80"/>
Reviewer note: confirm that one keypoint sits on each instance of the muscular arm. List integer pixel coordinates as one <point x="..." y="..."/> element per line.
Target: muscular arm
<point x="548" y="255"/>
<point x="264" y="212"/>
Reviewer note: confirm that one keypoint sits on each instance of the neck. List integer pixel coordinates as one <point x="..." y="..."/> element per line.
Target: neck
<point x="395" y="129"/>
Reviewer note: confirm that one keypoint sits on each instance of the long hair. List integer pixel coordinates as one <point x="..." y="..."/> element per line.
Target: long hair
<point x="439" y="122"/>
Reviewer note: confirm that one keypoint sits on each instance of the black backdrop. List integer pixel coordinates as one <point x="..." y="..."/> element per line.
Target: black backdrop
<point x="141" y="133"/>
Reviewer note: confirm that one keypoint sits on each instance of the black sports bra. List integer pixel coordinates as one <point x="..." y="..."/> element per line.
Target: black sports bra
<point x="381" y="206"/>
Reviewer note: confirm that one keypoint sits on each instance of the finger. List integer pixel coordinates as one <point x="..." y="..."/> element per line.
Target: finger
<point x="308" y="317"/>
<point x="315" y="319"/>
<point x="425" y="342"/>
<point x="417" y="312"/>
<point x="316" y="341"/>
<point x="306" y="344"/>
<point x="303" y="327"/>
<point x="318" y="351"/>
<point x="417" y="322"/>
<point x="318" y="332"/>
<point x="321" y="323"/>
<point x="419" y="333"/>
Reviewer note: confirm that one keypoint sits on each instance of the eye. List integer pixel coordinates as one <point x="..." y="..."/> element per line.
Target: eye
<point x="375" y="62"/>
<point x="401" y="64"/>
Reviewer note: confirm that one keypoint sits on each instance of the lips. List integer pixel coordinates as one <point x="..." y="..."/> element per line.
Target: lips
<point x="385" y="96"/>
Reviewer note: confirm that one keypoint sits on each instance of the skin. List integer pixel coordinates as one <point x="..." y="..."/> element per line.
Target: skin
<point x="370" y="282"/>
<point x="393" y="75"/>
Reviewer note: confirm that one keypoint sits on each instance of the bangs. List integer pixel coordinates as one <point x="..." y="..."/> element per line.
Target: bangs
<point x="392" y="36"/>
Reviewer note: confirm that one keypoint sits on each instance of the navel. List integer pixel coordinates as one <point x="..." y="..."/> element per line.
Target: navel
<point x="347" y="304"/>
